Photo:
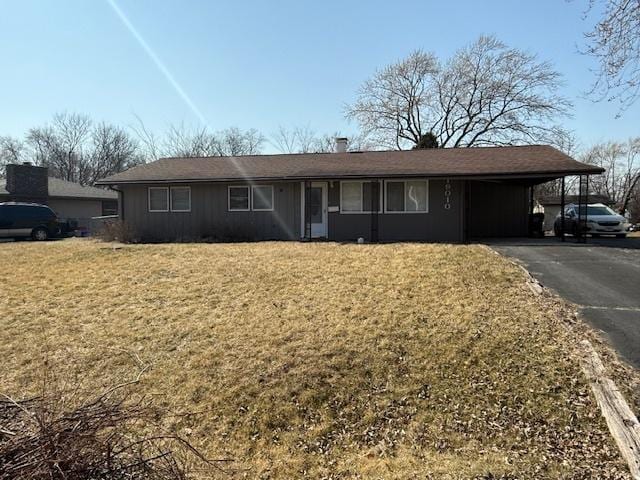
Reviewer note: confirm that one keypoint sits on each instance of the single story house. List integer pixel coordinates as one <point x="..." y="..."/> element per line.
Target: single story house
<point x="550" y="205"/>
<point x="28" y="183"/>
<point x="436" y="195"/>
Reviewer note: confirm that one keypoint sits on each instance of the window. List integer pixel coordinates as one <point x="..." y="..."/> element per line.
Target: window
<point x="262" y="197"/>
<point x="158" y="199"/>
<point x="180" y="199"/>
<point x="410" y="196"/>
<point x="239" y="199"/>
<point x="351" y="200"/>
<point x="356" y="197"/>
<point x="395" y="196"/>
<point x="109" y="207"/>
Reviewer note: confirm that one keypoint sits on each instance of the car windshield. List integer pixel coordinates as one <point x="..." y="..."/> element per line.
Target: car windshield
<point x="591" y="210"/>
<point x="596" y="210"/>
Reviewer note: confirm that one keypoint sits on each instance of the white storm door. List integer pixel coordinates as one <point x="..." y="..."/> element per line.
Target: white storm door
<point x="318" y="209"/>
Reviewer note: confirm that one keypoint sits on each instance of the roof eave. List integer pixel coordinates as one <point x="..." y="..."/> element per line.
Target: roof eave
<point x="519" y="175"/>
<point x="72" y="197"/>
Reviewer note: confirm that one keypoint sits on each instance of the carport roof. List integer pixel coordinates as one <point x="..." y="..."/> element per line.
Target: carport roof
<point x="531" y="161"/>
<point x="557" y="200"/>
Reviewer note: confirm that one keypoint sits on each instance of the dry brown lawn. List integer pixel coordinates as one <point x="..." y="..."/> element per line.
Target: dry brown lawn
<point x="316" y="360"/>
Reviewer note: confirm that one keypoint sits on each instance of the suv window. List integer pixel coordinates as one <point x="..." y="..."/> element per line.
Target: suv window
<point x="8" y="212"/>
<point x="26" y="212"/>
<point x="39" y="213"/>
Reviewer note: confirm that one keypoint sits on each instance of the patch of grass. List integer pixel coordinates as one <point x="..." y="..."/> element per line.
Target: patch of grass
<point x="316" y="360"/>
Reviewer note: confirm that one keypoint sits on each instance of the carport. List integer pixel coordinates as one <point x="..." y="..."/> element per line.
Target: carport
<point x="500" y="207"/>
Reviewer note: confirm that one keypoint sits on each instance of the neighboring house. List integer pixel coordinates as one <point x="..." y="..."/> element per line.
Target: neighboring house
<point x="28" y="183"/>
<point x="550" y="205"/>
<point x="447" y="195"/>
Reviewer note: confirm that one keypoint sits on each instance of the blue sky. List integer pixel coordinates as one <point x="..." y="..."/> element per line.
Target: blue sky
<point x="261" y="64"/>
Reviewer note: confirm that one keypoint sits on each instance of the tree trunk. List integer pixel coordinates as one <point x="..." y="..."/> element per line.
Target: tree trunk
<point x="626" y="198"/>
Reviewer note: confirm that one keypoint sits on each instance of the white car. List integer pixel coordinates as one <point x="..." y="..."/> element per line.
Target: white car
<point x="600" y="220"/>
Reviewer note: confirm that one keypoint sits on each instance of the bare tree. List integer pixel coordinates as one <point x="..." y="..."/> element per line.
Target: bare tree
<point x="113" y="150"/>
<point x="75" y="149"/>
<point x="569" y="144"/>
<point x="305" y="140"/>
<point x="295" y="140"/>
<point x="614" y="42"/>
<point x="284" y="140"/>
<point x="394" y="102"/>
<point x="235" y="142"/>
<point x="326" y="143"/>
<point x="61" y="145"/>
<point x="634" y="206"/>
<point x="149" y="143"/>
<point x="621" y="178"/>
<point x="11" y="151"/>
<point x="182" y="141"/>
<point x="486" y="94"/>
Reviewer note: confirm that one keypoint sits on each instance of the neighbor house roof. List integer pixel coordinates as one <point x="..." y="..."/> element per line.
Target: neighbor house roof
<point x="534" y="160"/>
<point x="64" y="189"/>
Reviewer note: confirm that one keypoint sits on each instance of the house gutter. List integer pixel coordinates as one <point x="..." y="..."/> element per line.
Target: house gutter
<point x="464" y="176"/>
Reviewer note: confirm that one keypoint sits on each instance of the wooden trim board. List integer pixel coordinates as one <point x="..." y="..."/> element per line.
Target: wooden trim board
<point x="622" y="423"/>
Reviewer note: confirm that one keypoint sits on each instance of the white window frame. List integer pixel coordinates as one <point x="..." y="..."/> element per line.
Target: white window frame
<point x="229" y="198"/>
<point x="405" y="212"/>
<point x="381" y="187"/>
<point x="166" y="189"/>
<point x="171" y="198"/>
<point x="253" y="196"/>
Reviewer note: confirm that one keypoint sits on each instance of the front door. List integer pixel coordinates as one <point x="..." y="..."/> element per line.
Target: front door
<point x="318" y="209"/>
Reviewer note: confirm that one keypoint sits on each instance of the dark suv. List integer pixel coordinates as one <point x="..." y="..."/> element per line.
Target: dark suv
<point x="28" y="220"/>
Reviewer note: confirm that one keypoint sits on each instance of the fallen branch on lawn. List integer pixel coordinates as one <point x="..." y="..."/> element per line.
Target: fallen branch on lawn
<point x="109" y="435"/>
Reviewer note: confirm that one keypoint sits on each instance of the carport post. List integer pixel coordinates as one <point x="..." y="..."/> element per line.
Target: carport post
<point x="583" y="194"/>
<point x="562" y="211"/>
<point x="375" y="207"/>
<point x="531" y="199"/>
<point x="307" y="210"/>
<point x="586" y="204"/>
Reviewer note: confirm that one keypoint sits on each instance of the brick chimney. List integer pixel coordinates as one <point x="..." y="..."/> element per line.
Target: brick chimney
<point x="27" y="182"/>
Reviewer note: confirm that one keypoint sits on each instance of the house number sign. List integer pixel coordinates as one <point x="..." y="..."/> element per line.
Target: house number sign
<point x="447" y="194"/>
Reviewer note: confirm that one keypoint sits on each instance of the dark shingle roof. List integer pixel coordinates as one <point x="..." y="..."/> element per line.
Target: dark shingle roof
<point x="450" y="162"/>
<point x="64" y="189"/>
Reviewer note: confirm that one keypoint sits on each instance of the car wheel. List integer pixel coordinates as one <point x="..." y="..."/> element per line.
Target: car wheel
<point x="40" y="234"/>
<point x="556" y="232"/>
<point x="621" y="235"/>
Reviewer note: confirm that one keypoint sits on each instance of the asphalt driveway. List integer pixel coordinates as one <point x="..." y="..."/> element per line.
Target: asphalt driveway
<point x="602" y="277"/>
